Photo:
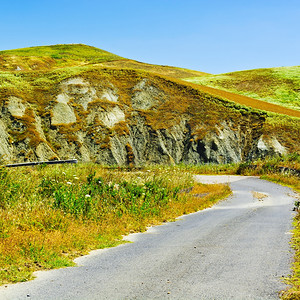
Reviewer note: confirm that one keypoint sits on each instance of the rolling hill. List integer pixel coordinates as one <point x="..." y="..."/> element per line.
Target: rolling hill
<point x="275" y="85"/>
<point x="77" y="101"/>
<point x="59" y="56"/>
<point x="51" y="57"/>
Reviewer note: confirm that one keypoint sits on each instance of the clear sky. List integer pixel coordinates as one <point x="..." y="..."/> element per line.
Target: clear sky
<point x="213" y="36"/>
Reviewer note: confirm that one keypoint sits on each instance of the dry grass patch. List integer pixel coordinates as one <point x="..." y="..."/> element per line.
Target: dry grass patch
<point x="259" y="196"/>
<point x="50" y="215"/>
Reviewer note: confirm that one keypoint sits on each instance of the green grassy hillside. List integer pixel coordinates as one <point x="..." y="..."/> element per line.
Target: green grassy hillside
<point x="49" y="57"/>
<point x="275" y="85"/>
<point x="73" y="51"/>
<point x="60" y="56"/>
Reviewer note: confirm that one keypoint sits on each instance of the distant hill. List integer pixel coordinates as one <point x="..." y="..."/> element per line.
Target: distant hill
<point x="274" y="85"/>
<point x="77" y="101"/>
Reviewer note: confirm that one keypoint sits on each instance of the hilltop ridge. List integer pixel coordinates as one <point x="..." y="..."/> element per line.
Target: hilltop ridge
<point x="50" y="57"/>
<point x="71" y="55"/>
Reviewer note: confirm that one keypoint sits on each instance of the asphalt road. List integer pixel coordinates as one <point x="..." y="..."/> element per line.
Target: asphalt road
<point x="239" y="249"/>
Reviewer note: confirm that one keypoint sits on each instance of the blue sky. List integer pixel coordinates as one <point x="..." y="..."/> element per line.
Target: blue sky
<point x="210" y="36"/>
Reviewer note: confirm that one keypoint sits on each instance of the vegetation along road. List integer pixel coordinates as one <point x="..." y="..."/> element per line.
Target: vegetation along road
<point x="238" y="249"/>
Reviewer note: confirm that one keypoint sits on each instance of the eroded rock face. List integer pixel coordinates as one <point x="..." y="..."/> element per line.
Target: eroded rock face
<point x="44" y="152"/>
<point x="99" y="127"/>
<point x="145" y="96"/>
<point x="62" y="114"/>
<point x="110" y="95"/>
<point x="108" y="117"/>
<point x="80" y="91"/>
<point x="74" y="90"/>
<point x="5" y="146"/>
<point x="269" y="145"/>
<point x="16" y="107"/>
<point x="220" y="146"/>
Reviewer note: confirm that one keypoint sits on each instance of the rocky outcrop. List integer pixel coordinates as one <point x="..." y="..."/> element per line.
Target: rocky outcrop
<point x="141" y="125"/>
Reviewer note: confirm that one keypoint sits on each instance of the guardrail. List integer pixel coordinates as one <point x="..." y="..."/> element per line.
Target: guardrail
<point x="51" y="162"/>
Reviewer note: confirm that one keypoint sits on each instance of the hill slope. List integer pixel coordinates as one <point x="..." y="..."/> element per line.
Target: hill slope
<point x="173" y="72"/>
<point x="51" y="57"/>
<point x="276" y="85"/>
<point x="60" y="56"/>
<point x="118" y="113"/>
<point x="250" y="102"/>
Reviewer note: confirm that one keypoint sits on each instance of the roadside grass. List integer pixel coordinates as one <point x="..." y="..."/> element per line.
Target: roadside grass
<point x="49" y="215"/>
<point x="293" y="293"/>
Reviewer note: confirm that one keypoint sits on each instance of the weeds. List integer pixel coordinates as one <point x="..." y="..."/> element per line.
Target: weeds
<point x="50" y="215"/>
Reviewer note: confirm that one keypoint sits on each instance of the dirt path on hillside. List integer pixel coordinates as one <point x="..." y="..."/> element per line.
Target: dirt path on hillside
<point x="247" y="101"/>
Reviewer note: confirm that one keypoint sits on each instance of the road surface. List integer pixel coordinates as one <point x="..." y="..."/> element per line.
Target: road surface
<point x="239" y="249"/>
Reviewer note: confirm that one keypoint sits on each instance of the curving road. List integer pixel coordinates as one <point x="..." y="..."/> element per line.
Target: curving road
<point x="239" y="249"/>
